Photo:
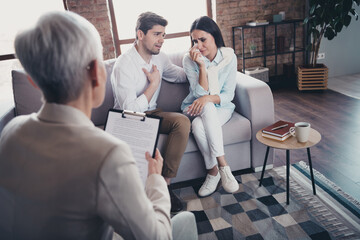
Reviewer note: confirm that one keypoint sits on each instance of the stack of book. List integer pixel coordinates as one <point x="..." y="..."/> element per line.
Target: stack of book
<point x="257" y="23"/>
<point x="279" y="131"/>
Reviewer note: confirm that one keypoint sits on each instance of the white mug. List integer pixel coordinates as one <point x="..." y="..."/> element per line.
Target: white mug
<point x="301" y="131"/>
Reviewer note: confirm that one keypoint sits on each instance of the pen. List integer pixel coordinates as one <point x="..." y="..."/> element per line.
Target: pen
<point x="282" y="126"/>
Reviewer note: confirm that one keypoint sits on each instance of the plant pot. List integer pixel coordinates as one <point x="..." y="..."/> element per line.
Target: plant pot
<point x="312" y="78"/>
<point x="252" y="52"/>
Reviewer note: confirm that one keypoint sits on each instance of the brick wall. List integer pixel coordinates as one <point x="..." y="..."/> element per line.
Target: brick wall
<point x="231" y="13"/>
<point x="96" y="11"/>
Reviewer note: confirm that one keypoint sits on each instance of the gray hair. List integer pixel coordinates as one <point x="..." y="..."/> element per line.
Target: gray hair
<point x="57" y="52"/>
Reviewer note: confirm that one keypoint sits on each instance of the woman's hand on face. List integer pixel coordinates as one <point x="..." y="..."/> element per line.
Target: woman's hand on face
<point x="196" y="56"/>
<point x="197" y="106"/>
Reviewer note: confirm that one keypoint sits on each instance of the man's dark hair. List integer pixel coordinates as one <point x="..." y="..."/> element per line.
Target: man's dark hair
<point x="148" y="20"/>
<point x="208" y="25"/>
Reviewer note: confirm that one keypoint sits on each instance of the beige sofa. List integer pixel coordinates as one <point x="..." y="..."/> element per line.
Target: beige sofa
<point x="254" y="110"/>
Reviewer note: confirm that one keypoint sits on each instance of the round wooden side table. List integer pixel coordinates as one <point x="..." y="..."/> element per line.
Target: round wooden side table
<point x="290" y="144"/>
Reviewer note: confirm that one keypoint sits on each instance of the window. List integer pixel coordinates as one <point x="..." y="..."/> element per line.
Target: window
<point x="180" y="15"/>
<point x="15" y="16"/>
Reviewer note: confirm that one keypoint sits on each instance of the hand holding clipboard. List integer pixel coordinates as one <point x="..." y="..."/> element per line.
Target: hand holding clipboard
<point x="155" y="163"/>
<point x="139" y="131"/>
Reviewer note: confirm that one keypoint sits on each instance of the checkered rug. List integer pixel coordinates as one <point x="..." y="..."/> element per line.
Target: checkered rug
<point x="255" y="212"/>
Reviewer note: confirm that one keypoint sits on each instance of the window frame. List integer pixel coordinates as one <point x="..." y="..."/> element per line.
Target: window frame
<point x="6" y="106"/>
<point x="11" y="56"/>
<point x="118" y="42"/>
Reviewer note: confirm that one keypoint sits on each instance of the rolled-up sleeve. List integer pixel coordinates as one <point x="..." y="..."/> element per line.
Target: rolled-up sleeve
<point x="122" y="202"/>
<point x="124" y="88"/>
<point x="227" y="92"/>
<point x="172" y="72"/>
<point x="192" y="72"/>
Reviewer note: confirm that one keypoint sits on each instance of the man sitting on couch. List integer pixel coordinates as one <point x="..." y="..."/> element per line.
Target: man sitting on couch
<point x="136" y="81"/>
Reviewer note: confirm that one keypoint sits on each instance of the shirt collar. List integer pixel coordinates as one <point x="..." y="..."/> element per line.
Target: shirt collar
<point x="135" y="54"/>
<point x="59" y="113"/>
<point x="217" y="59"/>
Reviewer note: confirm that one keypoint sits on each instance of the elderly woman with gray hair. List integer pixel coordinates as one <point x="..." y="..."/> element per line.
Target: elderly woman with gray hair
<point x="60" y="176"/>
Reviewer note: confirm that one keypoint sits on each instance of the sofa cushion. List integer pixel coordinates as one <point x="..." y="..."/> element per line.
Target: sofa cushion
<point x="98" y="115"/>
<point x="27" y="98"/>
<point x="236" y="130"/>
<point x="171" y="96"/>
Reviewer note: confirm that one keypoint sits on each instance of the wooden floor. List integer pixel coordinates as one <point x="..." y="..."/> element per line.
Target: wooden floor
<point x="337" y="118"/>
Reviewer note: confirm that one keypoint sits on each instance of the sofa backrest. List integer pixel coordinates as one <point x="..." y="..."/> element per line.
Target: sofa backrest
<point x="172" y="94"/>
<point x="98" y="115"/>
<point x="27" y="98"/>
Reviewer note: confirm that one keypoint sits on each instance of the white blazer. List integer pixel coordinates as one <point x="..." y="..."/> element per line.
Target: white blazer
<point x="63" y="178"/>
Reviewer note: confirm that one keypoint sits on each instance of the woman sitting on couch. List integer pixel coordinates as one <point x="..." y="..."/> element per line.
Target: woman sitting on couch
<point x="211" y="70"/>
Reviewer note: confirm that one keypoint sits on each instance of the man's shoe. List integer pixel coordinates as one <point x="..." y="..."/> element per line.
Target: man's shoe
<point x="209" y="186"/>
<point x="228" y="180"/>
<point x="176" y="204"/>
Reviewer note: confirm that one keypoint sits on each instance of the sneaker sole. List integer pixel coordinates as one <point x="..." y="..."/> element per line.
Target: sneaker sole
<point x="217" y="188"/>
<point x="231" y="191"/>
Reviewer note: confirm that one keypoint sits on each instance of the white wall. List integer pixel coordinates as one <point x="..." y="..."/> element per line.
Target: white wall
<point x="342" y="54"/>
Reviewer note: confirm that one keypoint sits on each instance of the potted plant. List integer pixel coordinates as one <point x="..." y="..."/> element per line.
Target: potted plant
<point x="325" y="19"/>
<point x="252" y="48"/>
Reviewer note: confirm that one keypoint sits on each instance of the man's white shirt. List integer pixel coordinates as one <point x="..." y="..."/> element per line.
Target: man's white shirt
<point x="129" y="80"/>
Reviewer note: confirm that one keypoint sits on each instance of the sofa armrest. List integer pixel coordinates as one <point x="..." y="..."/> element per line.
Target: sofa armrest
<point x="6" y="117"/>
<point x="254" y="100"/>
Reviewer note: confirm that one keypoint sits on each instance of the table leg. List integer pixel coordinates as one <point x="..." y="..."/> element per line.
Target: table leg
<point x="311" y="171"/>
<point x="287" y="175"/>
<point x="263" y="170"/>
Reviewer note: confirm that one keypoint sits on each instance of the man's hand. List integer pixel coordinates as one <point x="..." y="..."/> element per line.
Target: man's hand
<point x="197" y="106"/>
<point x="155" y="164"/>
<point x="153" y="76"/>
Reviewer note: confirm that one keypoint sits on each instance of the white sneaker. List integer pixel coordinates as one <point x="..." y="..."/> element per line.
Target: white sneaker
<point x="209" y="186"/>
<point x="228" y="180"/>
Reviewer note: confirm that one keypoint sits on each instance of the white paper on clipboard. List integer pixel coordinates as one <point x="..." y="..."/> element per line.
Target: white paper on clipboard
<point x="139" y="131"/>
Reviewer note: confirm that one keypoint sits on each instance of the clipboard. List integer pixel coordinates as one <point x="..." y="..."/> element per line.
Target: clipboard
<point x="139" y="130"/>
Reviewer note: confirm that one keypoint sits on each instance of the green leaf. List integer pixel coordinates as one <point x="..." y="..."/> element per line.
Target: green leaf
<point x="312" y="10"/>
<point x="347" y="20"/>
<point x="338" y="9"/>
<point x="338" y="26"/>
<point x="319" y="13"/>
<point x="329" y="34"/>
<point x="347" y="5"/>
